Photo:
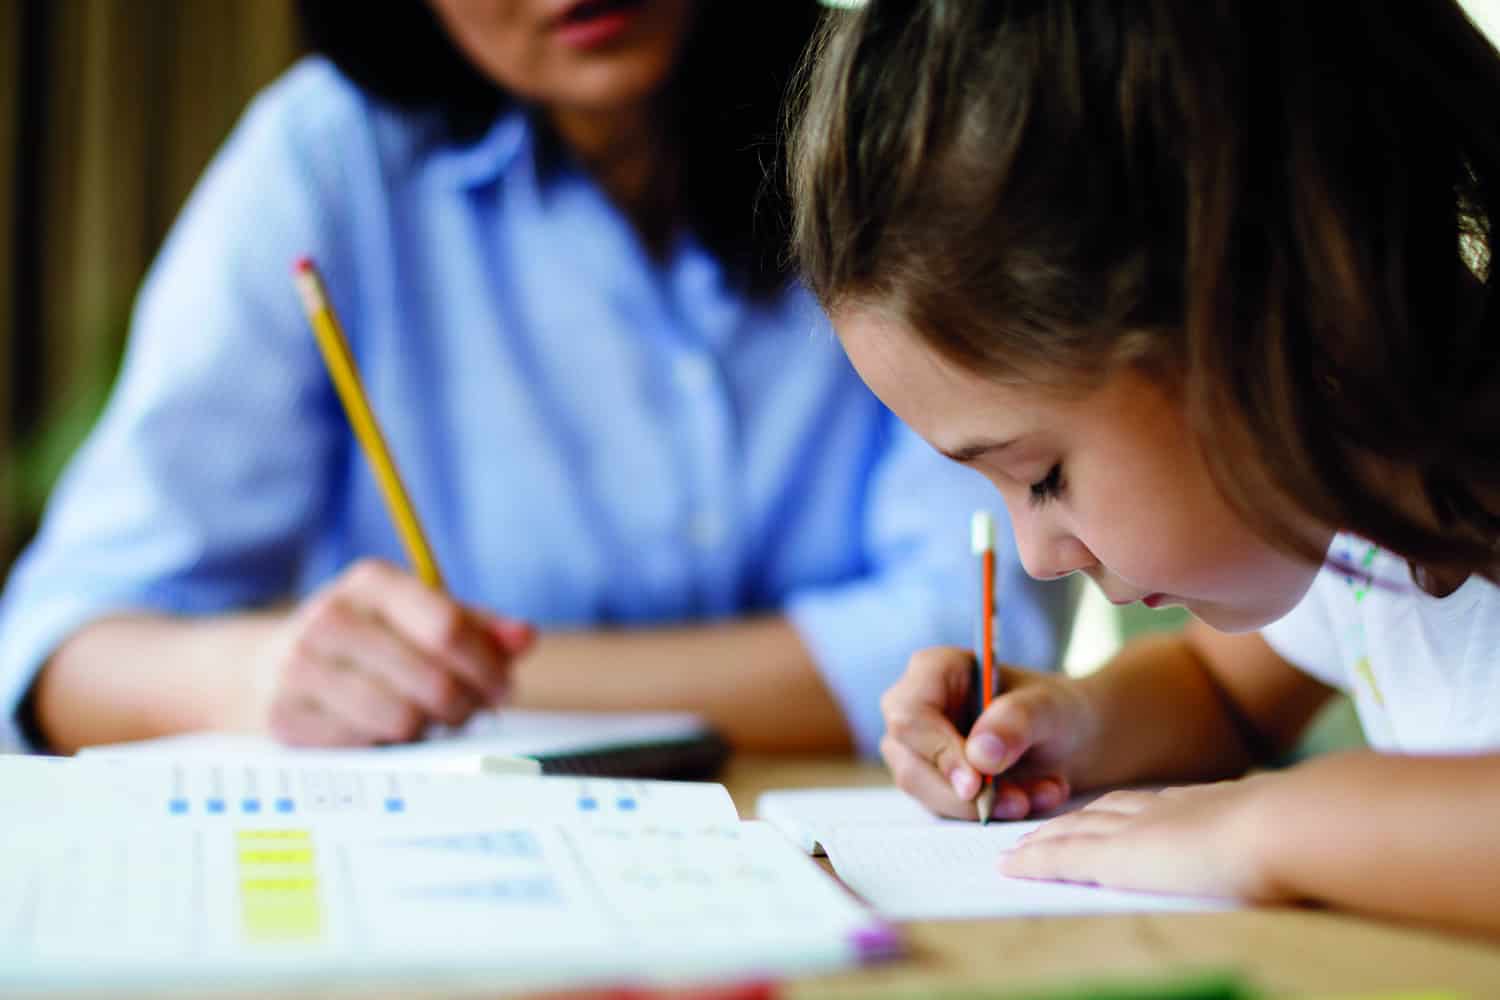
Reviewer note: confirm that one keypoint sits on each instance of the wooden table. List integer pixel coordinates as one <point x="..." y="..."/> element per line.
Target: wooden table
<point x="1282" y="951"/>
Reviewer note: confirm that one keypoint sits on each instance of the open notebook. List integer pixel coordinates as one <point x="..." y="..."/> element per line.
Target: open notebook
<point x="122" y="875"/>
<point x="912" y="865"/>
<point x="607" y="744"/>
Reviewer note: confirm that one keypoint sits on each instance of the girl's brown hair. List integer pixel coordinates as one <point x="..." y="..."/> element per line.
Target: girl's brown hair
<point x="1283" y="206"/>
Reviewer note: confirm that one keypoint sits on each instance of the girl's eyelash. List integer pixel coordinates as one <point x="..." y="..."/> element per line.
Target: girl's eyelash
<point x="1049" y="487"/>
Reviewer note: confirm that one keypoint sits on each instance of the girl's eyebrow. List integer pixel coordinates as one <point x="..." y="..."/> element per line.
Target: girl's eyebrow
<point x="964" y="454"/>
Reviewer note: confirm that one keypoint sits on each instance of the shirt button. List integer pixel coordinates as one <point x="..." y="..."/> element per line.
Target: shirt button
<point x="706" y="529"/>
<point x="693" y="373"/>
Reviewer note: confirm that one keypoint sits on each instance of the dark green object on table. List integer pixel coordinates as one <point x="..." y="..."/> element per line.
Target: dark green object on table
<point x="1198" y="986"/>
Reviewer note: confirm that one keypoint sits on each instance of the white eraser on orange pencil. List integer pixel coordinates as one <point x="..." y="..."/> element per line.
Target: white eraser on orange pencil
<point x="982" y="532"/>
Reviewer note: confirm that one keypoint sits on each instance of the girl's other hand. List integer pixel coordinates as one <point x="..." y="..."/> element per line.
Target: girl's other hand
<point x="1201" y="840"/>
<point x="1032" y="734"/>
<point x="377" y="656"/>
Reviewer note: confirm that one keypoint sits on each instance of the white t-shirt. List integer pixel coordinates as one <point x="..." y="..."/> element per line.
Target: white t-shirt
<point x="1424" y="671"/>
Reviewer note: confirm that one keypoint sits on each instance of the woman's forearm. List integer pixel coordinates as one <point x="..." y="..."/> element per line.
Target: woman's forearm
<point x="1409" y="837"/>
<point x="753" y="679"/>
<point x="138" y="677"/>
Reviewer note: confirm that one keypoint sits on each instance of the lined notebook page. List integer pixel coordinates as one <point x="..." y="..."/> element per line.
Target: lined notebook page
<point x="806" y="814"/>
<point x="951" y="871"/>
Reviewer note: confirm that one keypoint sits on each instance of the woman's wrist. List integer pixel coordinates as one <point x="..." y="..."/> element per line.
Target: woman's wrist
<point x="266" y="637"/>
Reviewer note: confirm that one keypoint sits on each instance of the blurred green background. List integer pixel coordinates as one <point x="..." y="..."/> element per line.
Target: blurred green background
<point x="110" y="110"/>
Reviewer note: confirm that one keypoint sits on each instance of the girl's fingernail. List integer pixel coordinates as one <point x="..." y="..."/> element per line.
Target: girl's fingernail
<point x="989" y="748"/>
<point x="965" y="783"/>
<point x="1047" y="796"/>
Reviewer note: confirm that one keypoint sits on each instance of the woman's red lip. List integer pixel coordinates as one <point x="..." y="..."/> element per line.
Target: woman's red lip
<point x="1154" y="600"/>
<point x="593" y="30"/>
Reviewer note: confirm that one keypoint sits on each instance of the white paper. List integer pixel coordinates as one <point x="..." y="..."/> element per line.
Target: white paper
<point x="802" y="814"/>
<point x="509" y="733"/>
<point x="913" y="865"/>
<point x="951" y="871"/>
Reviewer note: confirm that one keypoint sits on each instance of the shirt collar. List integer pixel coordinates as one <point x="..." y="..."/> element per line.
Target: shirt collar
<point x="486" y="159"/>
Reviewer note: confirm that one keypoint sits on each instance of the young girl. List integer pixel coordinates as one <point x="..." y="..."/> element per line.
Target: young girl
<point x="542" y="226"/>
<point x="1206" y="291"/>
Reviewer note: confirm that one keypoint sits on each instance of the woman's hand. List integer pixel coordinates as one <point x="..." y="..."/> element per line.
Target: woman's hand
<point x="1202" y="840"/>
<point x="377" y="656"/>
<point x="1032" y="734"/>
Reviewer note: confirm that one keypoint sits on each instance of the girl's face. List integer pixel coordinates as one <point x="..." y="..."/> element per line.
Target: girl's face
<point x="1107" y="483"/>
<point x="571" y="55"/>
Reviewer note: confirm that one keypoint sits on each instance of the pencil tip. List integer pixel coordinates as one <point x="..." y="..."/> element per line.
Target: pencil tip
<point x="985" y="804"/>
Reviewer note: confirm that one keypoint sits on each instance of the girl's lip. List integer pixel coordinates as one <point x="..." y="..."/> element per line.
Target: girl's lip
<point x="1154" y="600"/>
<point x="598" y="30"/>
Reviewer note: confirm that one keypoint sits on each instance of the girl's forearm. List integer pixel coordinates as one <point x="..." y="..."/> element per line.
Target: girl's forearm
<point x="1161" y="717"/>
<point x="1399" y="836"/>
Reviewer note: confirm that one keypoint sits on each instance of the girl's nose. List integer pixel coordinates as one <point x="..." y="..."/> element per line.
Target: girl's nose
<point x="1047" y="554"/>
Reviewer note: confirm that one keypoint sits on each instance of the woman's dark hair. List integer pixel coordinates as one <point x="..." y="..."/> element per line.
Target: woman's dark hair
<point x="1283" y="208"/>
<point x="729" y="88"/>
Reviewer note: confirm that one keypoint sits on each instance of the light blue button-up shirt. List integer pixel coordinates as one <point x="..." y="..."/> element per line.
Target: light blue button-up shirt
<point x="590" y="435"/>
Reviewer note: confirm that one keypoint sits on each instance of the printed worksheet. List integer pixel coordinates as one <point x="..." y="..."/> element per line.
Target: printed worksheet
<point x="155" y="903"/>
<point x="252" y="790"/>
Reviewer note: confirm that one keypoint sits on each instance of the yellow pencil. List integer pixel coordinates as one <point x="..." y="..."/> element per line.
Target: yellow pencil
<point x="341" y="367"/>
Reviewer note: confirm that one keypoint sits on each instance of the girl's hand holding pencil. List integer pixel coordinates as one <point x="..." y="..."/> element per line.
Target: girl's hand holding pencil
<point x="1033" y="735"/>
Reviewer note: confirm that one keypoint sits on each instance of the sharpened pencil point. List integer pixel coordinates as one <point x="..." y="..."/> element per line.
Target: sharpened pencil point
<point x="985" y="803"/>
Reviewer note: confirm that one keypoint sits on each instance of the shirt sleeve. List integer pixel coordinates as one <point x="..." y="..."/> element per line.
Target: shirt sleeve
<point x="1305" y="637"/>
<point x="194" y="491"/>
<point x="922" y="587"/>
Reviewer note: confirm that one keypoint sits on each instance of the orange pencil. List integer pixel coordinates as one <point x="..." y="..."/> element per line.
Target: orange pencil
<point x="982" y="542"/>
